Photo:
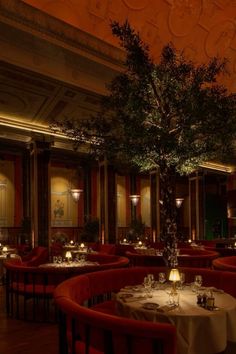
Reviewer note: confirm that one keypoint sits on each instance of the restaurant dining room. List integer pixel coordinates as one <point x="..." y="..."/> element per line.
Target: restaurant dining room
<point x="117" y="177"/>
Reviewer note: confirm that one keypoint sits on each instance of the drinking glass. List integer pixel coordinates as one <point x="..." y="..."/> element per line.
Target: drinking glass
<point x="150" y="278"/>
<point x="182" y="280"/>
<point x="197" y="282"/>
<point x="162" y="278"/>
<point x="147" y="283"/>
<point x="59" y="259"/>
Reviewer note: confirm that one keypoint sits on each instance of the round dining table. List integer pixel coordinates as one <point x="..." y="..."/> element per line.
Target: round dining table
<point x="199" y="330"/>
<point x="69" y="264"/>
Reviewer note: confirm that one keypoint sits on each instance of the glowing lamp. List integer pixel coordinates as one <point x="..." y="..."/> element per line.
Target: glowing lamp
<point x="179" y="202"/>
<point x="76" y="194"/>
<point x="134" y="199"/>
<point x="68" y="255"/>
<point x="174" y="277"/>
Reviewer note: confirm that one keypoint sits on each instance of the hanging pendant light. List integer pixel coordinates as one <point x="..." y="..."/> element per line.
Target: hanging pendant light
<point x="134" y="199"/>
<point x="179" y="202"/>
<point x="76" y="193"/>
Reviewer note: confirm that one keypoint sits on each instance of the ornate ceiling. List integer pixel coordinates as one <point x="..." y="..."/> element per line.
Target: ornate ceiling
<point x="201" y="28"/>
<point x="57" y="56"/>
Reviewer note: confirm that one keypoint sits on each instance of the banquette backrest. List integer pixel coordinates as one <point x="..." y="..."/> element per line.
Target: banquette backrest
<point x="24" y="282"/>
<point x="191" y="257"/>
<point x="225" y="263"/>
<point x="188" y="257"/>
<point x="84" y="329"/>
<point x="36" y="256"/>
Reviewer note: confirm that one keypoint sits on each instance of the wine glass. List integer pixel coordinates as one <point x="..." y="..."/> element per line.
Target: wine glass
<point x="197" y="282"/>
<point x="147" y="283"/>
<point x="182" y="280"/>
<point x="162" y="278"/>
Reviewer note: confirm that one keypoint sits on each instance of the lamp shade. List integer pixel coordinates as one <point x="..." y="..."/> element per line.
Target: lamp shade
<point x="76" y="194"/>
<point x="174" y="275"/>
<point x="68" y="255"/>
<point x="134" y="199"/>
<point x="178" y="202"/>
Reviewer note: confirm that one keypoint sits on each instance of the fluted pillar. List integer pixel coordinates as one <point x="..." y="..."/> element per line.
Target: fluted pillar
<point x="108" y="203"/>
<point x="40" y="191"/>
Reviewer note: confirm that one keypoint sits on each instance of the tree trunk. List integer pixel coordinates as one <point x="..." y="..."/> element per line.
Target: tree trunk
<point x="168" y="215"/>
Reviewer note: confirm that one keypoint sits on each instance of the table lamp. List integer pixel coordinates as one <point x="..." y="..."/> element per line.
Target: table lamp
<point x="174" y="277"/>
<point x="5" y="249"/>
<point x="68" y="256"/>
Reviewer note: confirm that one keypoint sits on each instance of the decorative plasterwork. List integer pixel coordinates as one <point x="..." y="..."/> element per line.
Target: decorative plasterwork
<point x="18" y="14"/>
<point x="202" y="28"/>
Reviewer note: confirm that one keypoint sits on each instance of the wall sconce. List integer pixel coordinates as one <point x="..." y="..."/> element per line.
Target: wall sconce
<point x="179" y="202"/>
<point x="231" y="213"/>
<point x="134" y="199"/>
<point x="76" y="194"/>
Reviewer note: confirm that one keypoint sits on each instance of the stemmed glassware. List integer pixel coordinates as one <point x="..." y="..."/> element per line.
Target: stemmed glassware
<point x="148" y="284"/>
<point x="197" y="282"/>
<point x="162" y="278"/>
<point x="182" y="280"/>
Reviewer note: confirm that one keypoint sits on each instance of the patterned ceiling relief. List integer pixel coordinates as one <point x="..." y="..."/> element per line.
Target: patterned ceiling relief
<point x="202" y="28"/>
<point x="36" y="100"/>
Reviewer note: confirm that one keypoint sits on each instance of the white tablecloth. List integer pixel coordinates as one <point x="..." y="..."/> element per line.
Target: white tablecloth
<point x="68" y="264"/>
<point x="199" y="331"/>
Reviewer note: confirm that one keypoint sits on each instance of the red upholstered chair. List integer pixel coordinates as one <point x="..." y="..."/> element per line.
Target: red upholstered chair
<point x="37" y="256"/>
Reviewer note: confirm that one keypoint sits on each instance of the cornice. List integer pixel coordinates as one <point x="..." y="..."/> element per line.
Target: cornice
<point x="29" y="19"/>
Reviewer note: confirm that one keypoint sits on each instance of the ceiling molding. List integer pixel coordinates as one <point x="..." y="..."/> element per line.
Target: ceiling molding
<point x="29" y="19"/>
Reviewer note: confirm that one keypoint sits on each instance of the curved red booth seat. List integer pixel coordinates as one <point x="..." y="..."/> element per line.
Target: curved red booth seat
<point x="29" y="289"/>
<point x="139" y="260"/>
<point x="188" y="257"/>
<point x="107" y="248"/>
<point x="225" y="263"/>
<point x="94" y="330"/>
<point x="36" y="256"/>
<point x="88" y="322"/>
<point x="196" y="258"/>
<point x="223" y="251"/>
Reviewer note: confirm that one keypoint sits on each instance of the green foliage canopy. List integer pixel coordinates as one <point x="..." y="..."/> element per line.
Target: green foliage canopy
<point x="172" y="114"/>
<point x="169" y="114"/>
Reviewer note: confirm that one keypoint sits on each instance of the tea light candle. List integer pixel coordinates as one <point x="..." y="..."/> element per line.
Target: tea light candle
<point x="140" y="243"/>
<point x="71" y="242"/>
